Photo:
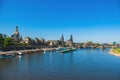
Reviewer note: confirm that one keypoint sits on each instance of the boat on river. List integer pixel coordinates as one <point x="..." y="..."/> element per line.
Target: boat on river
<point x="6" y="56"/>
<point x="20" y="53"/>
<point x="68" y="50"/>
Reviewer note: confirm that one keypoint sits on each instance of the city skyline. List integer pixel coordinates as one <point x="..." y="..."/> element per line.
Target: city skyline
<point x="87" y="20"/>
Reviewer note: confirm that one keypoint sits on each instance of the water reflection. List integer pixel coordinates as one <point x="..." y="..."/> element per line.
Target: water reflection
<point x="19" y="57"/>
<point x="51" y="57"/>
<point x="82" y="64"/>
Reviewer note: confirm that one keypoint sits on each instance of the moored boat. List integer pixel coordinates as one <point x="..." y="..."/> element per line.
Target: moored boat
<point x="6" y="56"/>
<point x="68" y="50"/>
<point x="20" y="53"/>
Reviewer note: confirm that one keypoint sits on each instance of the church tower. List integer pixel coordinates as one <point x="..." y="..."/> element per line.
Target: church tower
<point x="62" y="41"/>
<point x="16" y="30"/>
<point x="62" y="38"/>
<point x="71" y="41"/>
<point x="16" y="33"/>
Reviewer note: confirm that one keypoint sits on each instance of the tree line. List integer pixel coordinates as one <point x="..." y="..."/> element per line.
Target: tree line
<point x="5" y="41"/>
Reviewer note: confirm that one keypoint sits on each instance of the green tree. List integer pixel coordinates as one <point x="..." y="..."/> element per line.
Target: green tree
<point x="7" y="41"/>
<point x="81" y="44"/>
<point x="1" y="39"/>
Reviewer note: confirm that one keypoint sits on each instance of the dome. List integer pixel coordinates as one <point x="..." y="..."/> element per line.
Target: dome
<point x="16" y="33"/>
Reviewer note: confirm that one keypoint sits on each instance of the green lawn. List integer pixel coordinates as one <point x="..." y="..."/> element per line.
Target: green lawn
<point x="117" y="50"/>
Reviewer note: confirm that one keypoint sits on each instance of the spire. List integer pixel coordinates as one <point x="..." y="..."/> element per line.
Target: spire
<point x="16" y="33"/>
<point x="71" y="41"/>
<point x="62" y="38"/>
<point x="21" y="38"/>
<point x="71" y="38"/>
<point x="16" y="30"/>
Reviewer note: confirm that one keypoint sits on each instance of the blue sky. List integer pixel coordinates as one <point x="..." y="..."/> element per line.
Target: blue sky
<point x="87" y="20"/>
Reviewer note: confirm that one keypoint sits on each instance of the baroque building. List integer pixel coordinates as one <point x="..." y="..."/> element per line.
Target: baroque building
<point x="53" y="43"/>
<point x="69" y="42"/>
<point x="35" y="41"/>
<point x="27" y="40"/>
<point x="16" y="37"/>
<point x="62" y="43"/>
<point x="57" y="43"/>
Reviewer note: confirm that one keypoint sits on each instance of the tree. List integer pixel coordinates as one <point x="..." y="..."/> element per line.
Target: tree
<point x="88" y="44"/>
<point x="1" y="39"/>
<point x="81" y="44"/>
<point x="7" y="41"/>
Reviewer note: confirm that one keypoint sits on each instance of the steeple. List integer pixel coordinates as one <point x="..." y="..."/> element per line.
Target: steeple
<point x="62" y="38"/>
<point x="21" y="38"/>
<point x="71" y="41"/>
<point x="16" y="30"/>
<point x="71" y="38"/>
<point x="16" y="33"/>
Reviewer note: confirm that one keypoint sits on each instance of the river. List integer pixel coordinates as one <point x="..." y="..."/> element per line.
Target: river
<point x="82" y="64"/>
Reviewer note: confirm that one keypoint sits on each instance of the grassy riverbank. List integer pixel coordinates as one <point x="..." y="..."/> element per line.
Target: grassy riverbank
<point x="115" y="52"/>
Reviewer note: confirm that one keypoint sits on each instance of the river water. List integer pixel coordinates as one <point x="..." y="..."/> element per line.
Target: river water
<point x="82" y="64"/>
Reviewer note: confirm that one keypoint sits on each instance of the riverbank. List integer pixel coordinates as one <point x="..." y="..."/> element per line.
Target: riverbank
<point x="25" y="51"/>
<point x="29" y="51"/>
<point x="115" y="52"/>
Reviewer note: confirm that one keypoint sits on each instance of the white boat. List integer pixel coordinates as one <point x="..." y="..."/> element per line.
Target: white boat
<point x="20" y="53"/>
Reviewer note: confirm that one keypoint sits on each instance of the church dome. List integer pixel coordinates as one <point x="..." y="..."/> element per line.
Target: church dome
<point x="16" y="33"/>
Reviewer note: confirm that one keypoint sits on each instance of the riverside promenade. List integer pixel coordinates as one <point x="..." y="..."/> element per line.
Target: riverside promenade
<point x="25" y="51"/>
<point x="29" y="51"/>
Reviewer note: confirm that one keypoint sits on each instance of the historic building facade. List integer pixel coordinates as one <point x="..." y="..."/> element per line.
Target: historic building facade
<point x="41" y="42"/>
<point x="56" y="43"/>
<point x="35" y="41"/>
<point x="16" y="37"/>
<point x="61" y="42"/>
<point x="69" y="42"/>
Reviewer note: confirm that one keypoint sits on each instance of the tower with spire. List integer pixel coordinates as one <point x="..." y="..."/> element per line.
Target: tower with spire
<point x="16" y="35"/>
<point x="71" y="41"/>
<point x="62" y="41"/>
<point x="62" y="38"/>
